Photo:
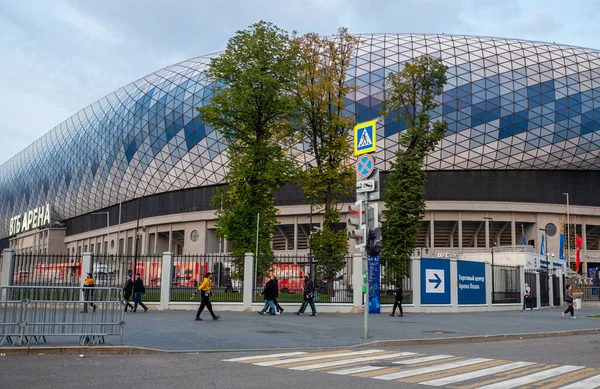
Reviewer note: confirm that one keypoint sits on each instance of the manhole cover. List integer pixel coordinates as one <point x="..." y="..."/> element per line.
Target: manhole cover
<point x="439" y="332"/>
<point x="272" y="332"/>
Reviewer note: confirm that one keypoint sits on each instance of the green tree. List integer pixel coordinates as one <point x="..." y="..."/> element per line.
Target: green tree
<point x="410" y="97"/>
<point x="320" y="123"/>
<point x="253" y="82"/>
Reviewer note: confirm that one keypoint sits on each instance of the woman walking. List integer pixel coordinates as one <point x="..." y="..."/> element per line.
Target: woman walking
<point x="398" y="301"/>
<point x="88" y="293"/>
<point x="569" y="301"/>
<point x="205" y="294"/>
<point x="270" y="293"/>
<point x="309" y="297"/>
<point x="127" y="291"/>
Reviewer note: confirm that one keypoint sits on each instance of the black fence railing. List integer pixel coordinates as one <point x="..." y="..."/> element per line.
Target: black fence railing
<point x="47" y="270"/>
<point x="556" y="290"/>
<point x="189" y="271"/>
<point x="398" y="274"/>
<point x="290" y="271"/>
<point x="506" y="286"/>
<point x="530" y="279"/>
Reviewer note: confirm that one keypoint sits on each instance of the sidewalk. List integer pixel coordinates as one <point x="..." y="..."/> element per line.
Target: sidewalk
<point x="177" y="330"/>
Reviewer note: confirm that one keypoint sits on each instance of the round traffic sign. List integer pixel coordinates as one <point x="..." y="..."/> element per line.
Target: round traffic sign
<point x="365" y="164"/>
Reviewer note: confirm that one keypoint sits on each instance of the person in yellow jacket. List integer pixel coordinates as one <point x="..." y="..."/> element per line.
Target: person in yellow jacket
<point x="88" y="292"/>
<point x="205" y="294"/>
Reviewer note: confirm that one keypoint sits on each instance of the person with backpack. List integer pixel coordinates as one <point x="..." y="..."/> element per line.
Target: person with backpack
<point x="569" y="301"/>
<point x="205" y="294"/>
<point x="270" y="294"/>
<point x="127" y="291"/>
<point x="309" y="297"/>
<point x="398" y="301"/>
<point x="88" y="293"/>
<point x="138" y="291"/>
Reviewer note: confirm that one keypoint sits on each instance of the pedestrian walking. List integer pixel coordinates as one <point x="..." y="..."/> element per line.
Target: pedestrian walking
<point x="88" y="293"/>
<point x="398" y="301"/>
<point x="569" y="301"/>
<point x="527" y="298"/>
<point x="279" y="309"/>
<point x="127" y="291"/>
<point x="205" y="294"/>
<point x="309" y="297"/>
<point x="270" y="293"/>
<point x="138" y="291"/>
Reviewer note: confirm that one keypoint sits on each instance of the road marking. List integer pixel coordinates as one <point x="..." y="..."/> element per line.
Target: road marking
<point x="316" y="357"/>
<point x="350" y="361"/>
<point x="241" y="359"/>
<point x="423" y="359"/>
<point x="431" y="369"/>
<point x="355" y="370"/>
<point x="476" y="374"/>
<point x="588" y="383"/>
<point x="531" y="378"/>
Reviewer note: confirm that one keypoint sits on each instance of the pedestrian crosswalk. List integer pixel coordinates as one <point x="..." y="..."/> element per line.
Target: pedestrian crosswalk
<point x="432" y="370"/>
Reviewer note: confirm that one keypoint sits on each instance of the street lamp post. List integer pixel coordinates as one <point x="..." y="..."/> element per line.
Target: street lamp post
<point x="568" y="233"/>
<point x="490" y="220"/>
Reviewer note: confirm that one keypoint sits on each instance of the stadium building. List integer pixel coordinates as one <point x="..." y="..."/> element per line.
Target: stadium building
<point x="139" y="167"/>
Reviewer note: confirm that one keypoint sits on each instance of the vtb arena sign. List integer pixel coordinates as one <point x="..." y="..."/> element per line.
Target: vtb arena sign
<point x="34" y="218"/>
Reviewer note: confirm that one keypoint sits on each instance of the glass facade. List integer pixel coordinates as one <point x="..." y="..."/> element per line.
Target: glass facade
<point x="510" y="105"/>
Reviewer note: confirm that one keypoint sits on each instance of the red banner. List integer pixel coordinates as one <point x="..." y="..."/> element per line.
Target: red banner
<point x="578" y="243"/>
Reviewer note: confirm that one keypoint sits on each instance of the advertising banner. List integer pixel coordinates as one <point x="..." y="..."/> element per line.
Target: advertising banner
<point x="374" y="266"/>
<point x="471" y="283"/>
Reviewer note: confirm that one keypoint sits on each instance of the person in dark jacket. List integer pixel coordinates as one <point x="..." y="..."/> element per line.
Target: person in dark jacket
<point x="398" y="301"/>
<point x="88" y="293"/>
<point x="309" y="297"/>
<point x="279" y="309"/>
<point x="138" y="292"/>
<point x="569" y="300"/>
<point x="127" y="291"/>
<point x="270" y="293"/>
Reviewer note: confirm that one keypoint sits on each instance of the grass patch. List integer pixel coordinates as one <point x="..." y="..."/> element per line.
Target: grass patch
<point x="595" y="316"/>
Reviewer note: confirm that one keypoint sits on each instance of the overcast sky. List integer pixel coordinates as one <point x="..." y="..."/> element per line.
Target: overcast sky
<point x="58" y="56"/>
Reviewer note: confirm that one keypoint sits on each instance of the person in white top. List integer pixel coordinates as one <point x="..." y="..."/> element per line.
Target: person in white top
<point x="527" y="298"/>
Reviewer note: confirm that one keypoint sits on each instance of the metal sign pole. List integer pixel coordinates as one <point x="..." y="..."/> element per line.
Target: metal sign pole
<point x="366" y="309"/>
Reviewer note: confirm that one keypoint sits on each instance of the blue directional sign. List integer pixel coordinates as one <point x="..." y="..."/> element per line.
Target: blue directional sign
<point x="471" y="283"/>
<point x="435" y="281"/>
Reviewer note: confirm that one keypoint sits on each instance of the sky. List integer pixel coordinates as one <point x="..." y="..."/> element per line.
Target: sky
<point x="58" y="56"/>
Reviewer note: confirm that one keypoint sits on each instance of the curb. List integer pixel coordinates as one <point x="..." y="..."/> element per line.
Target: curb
<point x="135" y="350"/>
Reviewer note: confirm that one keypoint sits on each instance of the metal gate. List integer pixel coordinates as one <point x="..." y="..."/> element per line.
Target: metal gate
<point x="556" y="290"/>
<point x="544" y="289"/>
<point x="531" y="280"/>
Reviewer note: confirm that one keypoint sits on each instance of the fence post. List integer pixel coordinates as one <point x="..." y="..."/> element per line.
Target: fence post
<point x="8" y="269"/>
<point x="165" y="280"/>
<point x="489" y="291"/>
<point x="538" y="299"/>
<point x="357" y="282"/>
<point x="550" y="288"/>
<point x="453" y="284"/>
<point x="87" y="266"/>
<point x="415" y="276"/>
<point x="561" y="287"/>
<point x="248" y="282"/>
<point x="522" y="284"/>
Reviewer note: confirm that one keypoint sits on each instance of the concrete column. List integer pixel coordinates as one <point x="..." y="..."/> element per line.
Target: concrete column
<point x="550" y="288"/>
<point x="561" y="287"/>
<point x="8" y="269"/>
<point x="165" y="280"/>
<point x="487" y="234"/>
<point x="415" y="278"/>
<point x="522" y="282"/>
<point x="357" y="282"/>
<point x="538" y="298"/>
<point x="513" y="228"/>
<point x="87" y="266"/>
<point x="488" y="285"/>
<point x="248" y="282"/>
<point x="432" y="232"/>
<point x="453" y="287"/>
<point x="460" y="233"/>
<point x="583" y="253"/>
<point x="296" y="235"/>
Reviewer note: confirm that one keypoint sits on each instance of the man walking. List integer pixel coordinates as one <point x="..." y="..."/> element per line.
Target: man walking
<point x="127" y="290"/>
<point x="88" y="293"/>
<point x="205" y="294"/>
<point x="138" y="291"/>
<point x="270" y="293"/>
<point x="398" y="301"/>
<point x="309" y="297"/>
<point x="569" y="301"/>
<point x="527" y="298"/>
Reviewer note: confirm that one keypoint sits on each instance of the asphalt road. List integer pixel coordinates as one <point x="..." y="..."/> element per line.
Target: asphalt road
<point x="176" y="371"/>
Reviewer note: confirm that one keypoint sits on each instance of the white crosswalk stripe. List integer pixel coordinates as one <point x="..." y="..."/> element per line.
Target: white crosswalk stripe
<point x="423" y="359"/>
<point x="531" y="378"/>
<point x="350" y="361"/>
<point x="430" y="369"/>
<point x="242" y="359"/>
<point x="588" y="383"/>
<point x="476" y="374"/>
<point x="355" y="370"/>
<point x="316" y="357"/>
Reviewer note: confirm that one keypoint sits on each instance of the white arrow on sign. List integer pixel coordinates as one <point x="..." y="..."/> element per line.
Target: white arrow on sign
<point x="365" y="186"/>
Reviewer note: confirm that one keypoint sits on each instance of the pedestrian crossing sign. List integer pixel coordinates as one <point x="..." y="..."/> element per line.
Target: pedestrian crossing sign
<point x="365" y="137"/>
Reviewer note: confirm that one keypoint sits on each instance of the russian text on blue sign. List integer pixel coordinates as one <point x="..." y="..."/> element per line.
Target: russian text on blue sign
<point x="471" y="283"/>
<point x="374" y="298"/>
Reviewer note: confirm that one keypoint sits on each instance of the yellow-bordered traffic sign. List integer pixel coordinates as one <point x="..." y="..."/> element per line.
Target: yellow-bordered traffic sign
<point x="365" y="135"/>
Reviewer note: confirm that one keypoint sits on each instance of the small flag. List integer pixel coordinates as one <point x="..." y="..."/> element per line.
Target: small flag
<point x="542" y="249"/>
<point x="523" y="239"/>
<point x="561" y="250"/>
<point x="578" y="243"/>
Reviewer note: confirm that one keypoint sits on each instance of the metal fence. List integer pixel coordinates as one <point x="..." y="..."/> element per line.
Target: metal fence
<point x="590" y="293"/>
<point x="506" y="287"/>
<point x="28" y="314"/>
<point x="290" y="271"/>
<point x="401" y="275"/>
<point x="189" y="271"/>
<point x="530" y="278"/>
<point x="47" y="270"/>
<point x="112" y="270"/>
<point x="556" y="290"/>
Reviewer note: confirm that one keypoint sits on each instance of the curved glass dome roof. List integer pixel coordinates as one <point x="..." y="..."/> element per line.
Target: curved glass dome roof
<point x="510" y="104"/>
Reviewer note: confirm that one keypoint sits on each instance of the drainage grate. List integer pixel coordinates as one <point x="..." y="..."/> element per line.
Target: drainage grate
<point x="273" y="332"/>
